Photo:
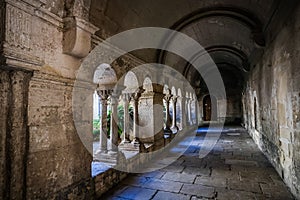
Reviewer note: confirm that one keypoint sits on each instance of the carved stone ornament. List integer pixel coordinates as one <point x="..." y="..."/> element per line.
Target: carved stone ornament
<point x="77" y="36"/>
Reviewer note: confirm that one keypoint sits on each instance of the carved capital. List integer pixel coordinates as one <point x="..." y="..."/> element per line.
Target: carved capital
<point x="126" y="97"/>
<point x="137" y="94"/>
<point x="168" y="97"/>
<point x="104" y="94"/>
<point x="174" y="99"/>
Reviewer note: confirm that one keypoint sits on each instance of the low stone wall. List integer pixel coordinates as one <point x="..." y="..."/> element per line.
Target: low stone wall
<point x="106" y="180"/>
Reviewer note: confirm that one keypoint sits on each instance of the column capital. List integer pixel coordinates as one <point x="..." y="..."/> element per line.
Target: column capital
<point x="126" y="97"/>
<point x="114" y="98"/>
<point x="174" y="98"/>
<point x="137" y="94"/>
<point x="168" y="97"/>
<point x="104" y="94"/>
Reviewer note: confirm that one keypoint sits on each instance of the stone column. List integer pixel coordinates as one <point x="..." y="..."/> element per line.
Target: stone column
<point x="193" y="116"/>
<point x="114" y="124"/>
<point x="167" y="129"/>
<point x="189" y="111"/>
<point x="196" y="111"/>
<point x="126" y="99"/>
<point x="135" y="98"/>
<point x="103" y="94"/>
<point x="183" y="114"/>
<point x="174" y="123"/>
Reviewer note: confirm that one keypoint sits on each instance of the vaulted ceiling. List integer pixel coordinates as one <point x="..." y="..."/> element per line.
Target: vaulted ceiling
<point x="233" y="32"/>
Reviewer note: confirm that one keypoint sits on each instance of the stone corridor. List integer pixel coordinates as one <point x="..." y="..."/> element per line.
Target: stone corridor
<point x="235" y="169"/>
<point x="131" y="77"/>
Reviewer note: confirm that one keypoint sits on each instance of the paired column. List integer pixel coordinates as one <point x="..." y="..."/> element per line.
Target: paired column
<point x="183" y="115"/>
<point x="103" y="94"/>
<point x="189" y="111"/>
<point x="196" y="111"/>
<point x="174" y="123"/>
<point x="167" y="98"/>
<point x="135" y="98"/>
<point x="126" y="99"/>
<point x="114" y="123"/>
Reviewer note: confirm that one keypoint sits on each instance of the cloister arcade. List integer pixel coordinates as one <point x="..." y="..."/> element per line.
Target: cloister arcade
<point x="139" y="133"/>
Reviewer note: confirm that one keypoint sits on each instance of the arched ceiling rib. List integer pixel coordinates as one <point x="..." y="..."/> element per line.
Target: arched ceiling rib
<point x="239" y="15"/>
<point x="230" y="31"/>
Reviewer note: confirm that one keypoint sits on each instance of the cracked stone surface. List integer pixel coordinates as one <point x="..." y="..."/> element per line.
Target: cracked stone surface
<point x="234" y="169"/>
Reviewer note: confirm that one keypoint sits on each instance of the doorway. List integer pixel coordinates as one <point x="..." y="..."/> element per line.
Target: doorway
<point x="209" y="108"/>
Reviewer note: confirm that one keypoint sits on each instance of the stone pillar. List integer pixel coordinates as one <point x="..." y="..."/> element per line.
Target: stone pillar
<point x="192" y="116"/>
<point x="167" y="129"/>
<point x="103" y="94"/>
<point x="196" y="112"/>
<point x="183" y="114"/>
<point x="174" y="123"/>
<point x="135" y="98"/>
<point x="189" y="113"/>
<point x="126" y="99"/>
<point x="114" y="124"/>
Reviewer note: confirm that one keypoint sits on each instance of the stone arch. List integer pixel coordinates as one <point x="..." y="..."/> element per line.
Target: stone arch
<point x="131" y="82"/>
<point x="179" y="93"/>
<point x="147" y="84"/>
<point x="245" y="18"/>
<point x="173" y="91"/>
<point x="104" y="75"/>
<point x="166" y="89"/>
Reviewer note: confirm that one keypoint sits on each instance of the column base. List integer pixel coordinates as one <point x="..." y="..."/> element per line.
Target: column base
<point x="174" y="129"/>
<point x="111" y="158"/>
<point x="168" y="131"/>
<point x="106" y="158"/>
<point x="101" y="151"/>
<point x="126" y="141"/>
<point x="130" y="146"/>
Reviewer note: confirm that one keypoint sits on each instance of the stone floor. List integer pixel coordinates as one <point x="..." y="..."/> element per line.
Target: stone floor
<point x="234" y="169"/>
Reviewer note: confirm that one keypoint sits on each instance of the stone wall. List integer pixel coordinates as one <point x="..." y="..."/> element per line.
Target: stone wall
<point x="228" y="110"/>
<point x="41" y="154"/>
<point x="56" y="156"/>
<point x="274" y="86"/>
<point x="14" y="132"/>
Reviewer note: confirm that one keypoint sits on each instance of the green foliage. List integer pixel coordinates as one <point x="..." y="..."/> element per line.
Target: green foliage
<point x="96" y="134"/>
<point x="97" y="122"/>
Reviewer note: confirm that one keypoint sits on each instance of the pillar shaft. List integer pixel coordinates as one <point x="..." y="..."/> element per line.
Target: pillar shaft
<point x="114" y="124"/>
<point x="189" y="111"/>
<point x="126" y="99"/>
<point x="183" y="115"/>
<point x="168" y="118"/>
<point x="103" y="94"/>
<point x="174" y="123"/>
<point x="135" y="98"/>
<point x="196" y="112"/>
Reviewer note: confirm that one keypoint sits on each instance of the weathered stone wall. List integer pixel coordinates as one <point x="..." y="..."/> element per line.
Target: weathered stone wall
<point x="105" y="181"/>
<point x="14" y="133"/>
<point x="41" y="154"/>
<point x="56" y="156"/>
<point x="274" y="122"/>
